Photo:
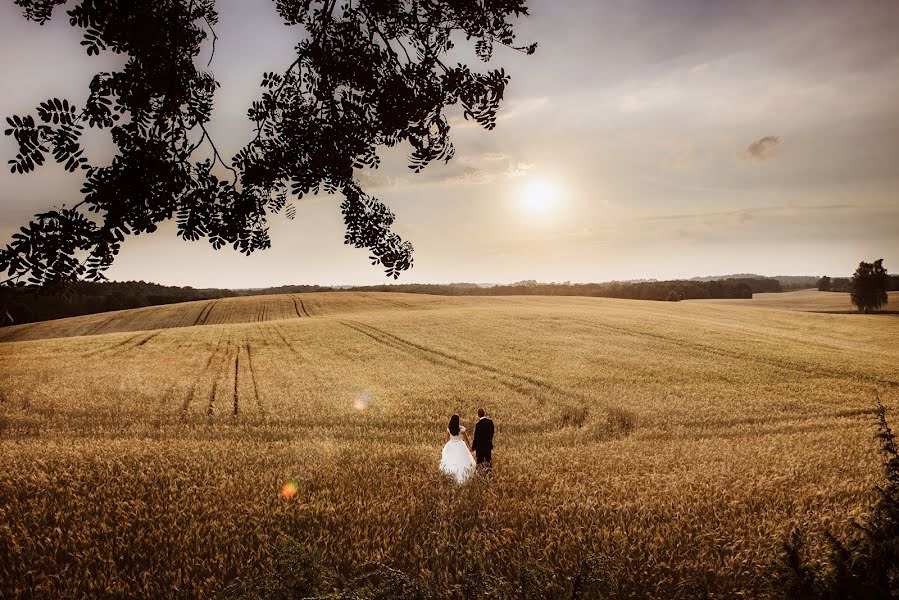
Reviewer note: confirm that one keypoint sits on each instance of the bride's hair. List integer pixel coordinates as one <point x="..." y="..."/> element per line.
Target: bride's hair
<point x="454" y="425"/>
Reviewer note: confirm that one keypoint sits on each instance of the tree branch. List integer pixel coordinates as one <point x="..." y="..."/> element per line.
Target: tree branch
<point x="217" y="156"/>
<point x="214" y="40"/>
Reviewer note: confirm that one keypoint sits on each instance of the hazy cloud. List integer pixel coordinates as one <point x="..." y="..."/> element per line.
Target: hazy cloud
<point x="518" y="170"/>
<point x="494" y="156"/>
<point x="761" y="150"/>
<point x="510" y="109"/>
<point x="469" y="176"/>
<point x="463" y="170"/>
<point x="372" y="180"/>
<point x="746" y="215"/>
<point x="685" y="157"/>
<point x="481" y="169"/>
<point x="644" y="109"/>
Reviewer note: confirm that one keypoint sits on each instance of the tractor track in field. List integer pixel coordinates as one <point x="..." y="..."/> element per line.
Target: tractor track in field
<point x="164" y="400"/>
<point x="203" y="317"/>
<point x="220" y="372"/>
<point x="392" y="302"/>
<point x="193" y="389"/>
<point x="299" y="307"/>
<point x="5" y="335"/>
<point x="522" y="384"/>
<point x="236" y="376"/>
<point x="729" y="424"/>
<point x="281" y="334"/>
<point x="147" y="339"/>
<point x="791" y="428"/>
<point x="717" y="352"/>
<point x="125" y="345"/>
<point x="296" y="307"/>
<point x="253" y="378"/>
<point x="95" y="330"/>
<point x="112" y="348"/>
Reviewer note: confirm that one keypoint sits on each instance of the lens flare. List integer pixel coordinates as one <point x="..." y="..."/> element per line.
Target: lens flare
<point x="290" y="489"/>
<point x="362" y="400"/>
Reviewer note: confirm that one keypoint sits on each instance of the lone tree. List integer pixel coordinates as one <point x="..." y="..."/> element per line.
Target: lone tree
<point x="868" y="288"/>
<point x="365" y="74"/>
<point x="824" y="284"/>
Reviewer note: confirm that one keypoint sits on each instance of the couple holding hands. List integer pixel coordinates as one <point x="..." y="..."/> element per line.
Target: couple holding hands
<point x="456" y="459"/>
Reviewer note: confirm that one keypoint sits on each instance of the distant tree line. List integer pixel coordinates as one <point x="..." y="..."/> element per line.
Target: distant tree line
<point x="284" y="289"/>
<point x="644" y="290"/>
<point x="787" y="282"/>
<point x="843" y="284"/>
<point x="27" y="304"/>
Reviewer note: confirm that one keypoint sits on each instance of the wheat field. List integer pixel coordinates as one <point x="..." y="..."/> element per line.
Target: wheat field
<point x="805" y="300"/>
<point x="145" y="453"/>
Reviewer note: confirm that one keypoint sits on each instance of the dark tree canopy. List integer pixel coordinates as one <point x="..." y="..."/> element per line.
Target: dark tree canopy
<point x="869" y="285"/>
<point x="824" y="284"/>
<point x="366" y="73"/>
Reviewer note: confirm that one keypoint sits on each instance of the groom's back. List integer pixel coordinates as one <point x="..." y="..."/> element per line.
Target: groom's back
<point x="483" y="431"/>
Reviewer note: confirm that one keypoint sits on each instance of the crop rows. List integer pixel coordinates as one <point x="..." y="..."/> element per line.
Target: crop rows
<point x="681" y="441"/>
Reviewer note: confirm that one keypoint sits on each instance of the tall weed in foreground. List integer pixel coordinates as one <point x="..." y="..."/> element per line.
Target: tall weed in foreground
<point x="865" y="566"/>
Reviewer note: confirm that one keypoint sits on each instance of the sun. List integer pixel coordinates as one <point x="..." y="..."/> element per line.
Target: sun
<point x="540" y="196"/>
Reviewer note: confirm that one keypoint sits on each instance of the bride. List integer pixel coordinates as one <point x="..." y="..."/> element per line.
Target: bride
<point x="457" y="459"/>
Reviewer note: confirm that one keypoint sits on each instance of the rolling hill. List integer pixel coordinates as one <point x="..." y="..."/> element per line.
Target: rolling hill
<point x="149" y="450"/>
<point x="806" y="301"/>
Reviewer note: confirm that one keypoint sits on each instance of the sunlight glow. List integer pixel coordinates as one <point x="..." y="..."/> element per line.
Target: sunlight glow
<point x="540" y="196"/>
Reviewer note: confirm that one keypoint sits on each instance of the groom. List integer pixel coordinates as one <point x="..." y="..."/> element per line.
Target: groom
<point x="482" y="443"/>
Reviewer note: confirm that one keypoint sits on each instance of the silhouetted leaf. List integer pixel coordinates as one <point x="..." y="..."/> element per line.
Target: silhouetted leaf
<point x="369" y="73"/>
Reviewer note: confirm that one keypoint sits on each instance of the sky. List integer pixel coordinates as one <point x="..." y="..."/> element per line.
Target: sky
<point x="644" y="139"/>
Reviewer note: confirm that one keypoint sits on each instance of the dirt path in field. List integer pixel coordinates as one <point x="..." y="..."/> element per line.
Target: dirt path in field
<point x="252" y="370"/>
<point x="131" y="343"/>
<point x="523" y="384"/>
<point x="300" y="307"/>
<point x="203" y="317"/>
<point x="193" y="390"/>
<point x="718" y="352"/>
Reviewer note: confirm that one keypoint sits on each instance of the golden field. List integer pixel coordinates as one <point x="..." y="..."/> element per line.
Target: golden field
<point x="805" y="300"/>
<point x="143" y="452"/>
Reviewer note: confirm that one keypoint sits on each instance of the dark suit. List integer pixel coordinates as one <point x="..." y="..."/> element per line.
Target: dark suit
<point x="482" y="443"/>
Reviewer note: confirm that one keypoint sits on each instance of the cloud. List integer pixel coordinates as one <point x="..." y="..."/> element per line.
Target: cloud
<point x="797" y="225"/>
<point x="518" y="107"/>
<point x="510" y="109"/>
<point x="519" y="169"/>
<point x="373" y="181"/>
<point x="487" y="168"/>
<point x="469" y="176"/>
<point x="761" y="150"/>
<point x="481" y="169"/>
<point x="685" y="156"/>
<point x="749" y="213"/>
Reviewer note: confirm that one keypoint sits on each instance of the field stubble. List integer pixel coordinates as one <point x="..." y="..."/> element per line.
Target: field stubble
<point x="681" y="441"/>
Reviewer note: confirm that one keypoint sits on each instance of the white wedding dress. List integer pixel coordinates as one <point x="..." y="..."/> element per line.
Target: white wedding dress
<point x="456" y="459"/>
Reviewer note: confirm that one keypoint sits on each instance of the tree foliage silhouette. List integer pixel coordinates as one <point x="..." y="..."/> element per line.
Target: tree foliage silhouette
<point x="868" y="287"/>
<point x="365" y="74"/>
<point x="863" y="566"/>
